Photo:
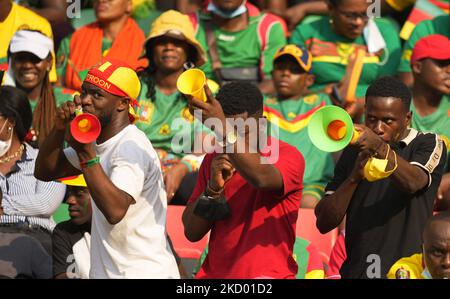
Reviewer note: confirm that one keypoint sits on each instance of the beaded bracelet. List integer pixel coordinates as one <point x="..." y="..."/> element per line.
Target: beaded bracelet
<point x="90" y="162"/>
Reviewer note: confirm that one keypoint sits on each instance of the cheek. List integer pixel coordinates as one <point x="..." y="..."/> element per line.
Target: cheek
<point x="299" y="81"/>
<point x="182" y="54"/>
<point x="276" y="75"/>
<point x="339" y="21"/>
<point x="42" y="67"/>
<point x="393" y="131"/>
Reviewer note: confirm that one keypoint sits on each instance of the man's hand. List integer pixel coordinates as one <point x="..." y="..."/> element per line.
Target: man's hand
<point x="368" y="140"/>
<point x="65" y="114"/>
<point x="173" y="178"/>
<point x="442" y="202"/>
<point x="210" y="109"/>
<point x="358" y="170"/>
<point x="221" y="171"/>
<point x="64" y="117"/>
<point x="355" y="108"/>
<point x="294" y="15"/>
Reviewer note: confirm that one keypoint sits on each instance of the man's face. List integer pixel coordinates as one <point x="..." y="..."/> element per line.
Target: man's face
<point x="29" y="70"/>
<point x="387" y="117"/>
<point x="169" y="54"/>
<point x="289" y="78"/>
<point x="101" y="103"/>
<point x="228" y="5"/>
<point x="79" y="202"/>
<point x="349" y="17"/>
<point x="437" y="250"/>
<point x="109" y="10"/>
<point x="434" y="73"/>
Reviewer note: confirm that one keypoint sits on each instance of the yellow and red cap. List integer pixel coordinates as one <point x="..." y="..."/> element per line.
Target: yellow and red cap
<point x="117" y="78"/>
<point x="77" y="180"/>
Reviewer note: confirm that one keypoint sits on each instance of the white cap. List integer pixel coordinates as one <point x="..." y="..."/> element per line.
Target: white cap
<point x="31" y="41"/>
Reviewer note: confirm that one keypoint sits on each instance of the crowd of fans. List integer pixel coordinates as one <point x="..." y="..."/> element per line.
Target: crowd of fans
<point x="386" y="63"/>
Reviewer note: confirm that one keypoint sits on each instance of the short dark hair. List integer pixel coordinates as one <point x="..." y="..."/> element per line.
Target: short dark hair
<point x="14" y="105"/>
<point x="240" y="97"/>
<point x="441" y="217"/>
<point x="390" y="87"/>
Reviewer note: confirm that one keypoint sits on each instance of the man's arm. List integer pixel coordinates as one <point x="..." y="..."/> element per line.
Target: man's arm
<point x="110" y="200"/>
<point x="298" y="12"/>
<point x="409" y="176"/>
<point x="248" y="163"/>
<point x="221" y="169"/>
<point x="51" y="162"/>
<point x="331" y="210"/>
<point x="195" y="227"/>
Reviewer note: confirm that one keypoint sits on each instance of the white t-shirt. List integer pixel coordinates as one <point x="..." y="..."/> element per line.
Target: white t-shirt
<point x="82" y="255"/>
<point x="137" y="246"/>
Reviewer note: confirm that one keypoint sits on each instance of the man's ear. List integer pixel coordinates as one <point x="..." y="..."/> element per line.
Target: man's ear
<point x="408" y="118"/>
<point x="123" y="104"/>
<point x="416" y="67"/>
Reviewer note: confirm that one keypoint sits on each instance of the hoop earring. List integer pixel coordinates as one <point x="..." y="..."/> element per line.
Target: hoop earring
<point x="188" y="65"/>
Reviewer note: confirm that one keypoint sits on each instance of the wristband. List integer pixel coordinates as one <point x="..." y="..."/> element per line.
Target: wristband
<point x="212" y="209"/>
<point x="90" y="162"/>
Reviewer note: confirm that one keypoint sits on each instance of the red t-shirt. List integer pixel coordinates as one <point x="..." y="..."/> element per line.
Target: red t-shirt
<point x="257" y="240"/>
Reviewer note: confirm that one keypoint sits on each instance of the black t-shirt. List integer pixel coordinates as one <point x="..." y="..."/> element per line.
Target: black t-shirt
<point x="22" y="256"/>
<point x="64" y="236"/>
<point x="384" y="223"/>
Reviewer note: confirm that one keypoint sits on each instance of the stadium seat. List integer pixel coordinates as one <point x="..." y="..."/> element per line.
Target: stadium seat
<point x="188" y="252"/>
<point x="175" y="229"/>
<point x="306" y="229"/>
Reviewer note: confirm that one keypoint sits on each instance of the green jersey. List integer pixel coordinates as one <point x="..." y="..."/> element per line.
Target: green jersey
<point x="439" y="25"/>
<point x="243" y="48"/>
<point x="289" y="120"/>
<point x="438" y="122"/>
<point x="331" y="53"/>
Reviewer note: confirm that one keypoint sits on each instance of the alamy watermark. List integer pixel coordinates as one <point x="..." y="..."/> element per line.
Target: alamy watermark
<point x="73" y="10"/>
<point x="239" y="135"/>
<point x="374" y="268"/>
<point x="374" y="9"/>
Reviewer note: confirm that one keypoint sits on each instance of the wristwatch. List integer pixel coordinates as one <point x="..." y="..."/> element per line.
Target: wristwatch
<point x="230" y="139"/>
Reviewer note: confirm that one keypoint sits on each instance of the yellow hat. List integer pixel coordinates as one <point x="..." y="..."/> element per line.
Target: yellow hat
<point x="118" y="78"/>
<point x="177" y="25"/>
<point x="77" y="181"/>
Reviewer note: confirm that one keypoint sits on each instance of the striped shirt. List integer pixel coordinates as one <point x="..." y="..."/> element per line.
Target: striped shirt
<point x="27" y="199"/>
